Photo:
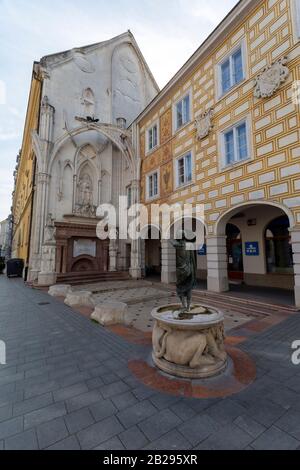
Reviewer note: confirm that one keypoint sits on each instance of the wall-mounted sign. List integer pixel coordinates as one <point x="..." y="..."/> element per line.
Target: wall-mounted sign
<point x="252" y="249"/>
<point x="84" y="247"/>
<point x="202" y="251"/>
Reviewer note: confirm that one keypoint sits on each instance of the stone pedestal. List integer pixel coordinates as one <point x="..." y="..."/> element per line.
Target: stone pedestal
<point x="80" y="299"/>
<point x="189" y="348"/>
<point x="110" y="313"/>
<point x="60" y="290"/>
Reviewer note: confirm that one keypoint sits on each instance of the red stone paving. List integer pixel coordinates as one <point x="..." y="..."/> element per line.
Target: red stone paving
<point x="244" y="373"/>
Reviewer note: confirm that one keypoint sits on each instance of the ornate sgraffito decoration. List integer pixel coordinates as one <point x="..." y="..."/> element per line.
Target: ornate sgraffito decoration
<point x="166" y="126"/>
<point x="204" y="124"/>
<point x="271" y="78"/>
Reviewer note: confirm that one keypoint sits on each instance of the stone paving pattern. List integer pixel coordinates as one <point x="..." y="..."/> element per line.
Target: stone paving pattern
<point x="142" y="297"/>
<point x="66" y="385"/>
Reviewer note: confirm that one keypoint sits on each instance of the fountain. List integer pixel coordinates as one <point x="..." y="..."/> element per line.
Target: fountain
<point x="188" y="340"/>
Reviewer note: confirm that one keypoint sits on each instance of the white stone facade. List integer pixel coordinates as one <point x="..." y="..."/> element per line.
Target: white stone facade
<point x="84" y="150"/>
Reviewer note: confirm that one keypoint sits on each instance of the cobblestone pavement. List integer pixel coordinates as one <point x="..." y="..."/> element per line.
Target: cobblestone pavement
<point x="142" y="297"/>
<point x="66" y="385"/>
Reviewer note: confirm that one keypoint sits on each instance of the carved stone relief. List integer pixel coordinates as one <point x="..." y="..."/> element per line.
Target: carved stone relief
<point x="271" y="78"/>
<point x="204" y="124"/>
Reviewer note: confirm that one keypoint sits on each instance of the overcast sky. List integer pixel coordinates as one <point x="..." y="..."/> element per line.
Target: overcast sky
<point x="167" y="31"/>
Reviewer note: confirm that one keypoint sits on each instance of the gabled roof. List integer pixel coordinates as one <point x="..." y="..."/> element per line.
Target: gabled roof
<point x="56" y="59"/>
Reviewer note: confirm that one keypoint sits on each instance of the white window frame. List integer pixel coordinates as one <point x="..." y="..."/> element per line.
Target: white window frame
<point x="296" y="16"/>
<point x="148" y="176"/>
<point x="223" y="164"/>
<point x="181" y="99"/>
<point x="148" y="130"/>
<point x="176" y="176"/>
<point x="242" y="46"/>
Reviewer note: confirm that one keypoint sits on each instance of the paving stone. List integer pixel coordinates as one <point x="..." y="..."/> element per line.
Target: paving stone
<point x="10" y="427"/>
<point x="94" y="383"/>
<point x="71" y="443"/>
<point x="32" y="404"/>
<point x="40" y="389"/>
<point x="294" y="384"/>
<point x="136" y="413"/>
<point x="5" y="413"/>
<point x="225" y="411"/>
<point x="24" y="441"/>
<point x="133" y="439"/>
<point x="162" y="401"/>
<point x="124" y="400"/>
<point x="159" y="424"/>
<point x="142" y="393"/>
<point x="51" y="432"/>
<point x="43" y="415"/>
<point x="111" y="444"/>
<point x="115" y="388"/>
<point x="83" y="400"/>
<point x="199" y="428"/>
<point x="70" y="392"/>
<point x="275" y="439"/>
<point x="1" y="445"/>
<point x="103" y="409"/>
<point x="98" y="433"/>
<point x="229" y="437"/>
<point x="173" y="440"/>
<point x="266" y="412"/>
<point x="290" y="423"/>
<point x="79" y="420"/>
<point x="74" y="379"/>
<point x="249" y="425"/>
<point x="183" y="411"/>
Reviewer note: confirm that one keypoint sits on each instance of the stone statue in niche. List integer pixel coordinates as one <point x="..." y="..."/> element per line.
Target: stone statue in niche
<point x="204" y="124"/>
<point x="271" y="78"/>
<point x="84" y="206"/>
<point x="88" y="103"/>
<point x="49" y="229"/>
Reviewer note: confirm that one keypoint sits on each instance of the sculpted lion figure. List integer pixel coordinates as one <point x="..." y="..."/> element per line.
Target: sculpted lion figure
<point x="189" y="348"/>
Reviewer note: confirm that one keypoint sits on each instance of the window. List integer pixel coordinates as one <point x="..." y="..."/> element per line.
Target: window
<point x="152" y="137"/>
<point x="184" y="170"/>
<point x="236" y="144"/>
<point x="182" y="112"/>
<point x="152" y="185"/>
<point x="232" y="71"/>
<point x="129" y="196"/>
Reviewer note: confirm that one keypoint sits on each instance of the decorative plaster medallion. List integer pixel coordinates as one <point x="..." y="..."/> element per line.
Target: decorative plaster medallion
<point x="82" y="62"/>
<point x="271" y="78"/>
<point x="204" y="124"/>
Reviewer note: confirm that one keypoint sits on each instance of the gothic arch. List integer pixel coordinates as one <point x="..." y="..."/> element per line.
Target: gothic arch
<point x="121" y="138"/>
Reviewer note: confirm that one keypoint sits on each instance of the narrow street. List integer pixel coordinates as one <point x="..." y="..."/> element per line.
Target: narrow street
<point x="68" y="384"/>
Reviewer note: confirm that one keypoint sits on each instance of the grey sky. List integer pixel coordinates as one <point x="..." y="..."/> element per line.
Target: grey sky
<point x="167" y="31"/>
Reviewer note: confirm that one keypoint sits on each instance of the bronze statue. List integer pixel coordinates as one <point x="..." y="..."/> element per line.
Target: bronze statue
<point x="186" y="269"/>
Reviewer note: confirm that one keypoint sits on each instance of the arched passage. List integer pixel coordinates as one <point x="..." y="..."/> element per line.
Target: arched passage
<point x="151" y="251"/>
<point x="245" y="243"/>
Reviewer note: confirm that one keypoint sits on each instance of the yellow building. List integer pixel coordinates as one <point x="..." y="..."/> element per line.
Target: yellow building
<point x="224" y="133"/>
<point x="24" y="177"/>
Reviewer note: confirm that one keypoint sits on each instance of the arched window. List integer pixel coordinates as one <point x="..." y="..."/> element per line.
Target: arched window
<point x="278" y="247"/>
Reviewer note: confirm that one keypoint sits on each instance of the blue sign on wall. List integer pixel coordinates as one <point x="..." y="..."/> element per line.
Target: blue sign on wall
<point x="202" y="251"/>
<point x="252" y="248"/>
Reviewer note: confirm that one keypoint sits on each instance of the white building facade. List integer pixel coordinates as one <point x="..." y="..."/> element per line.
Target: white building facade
<point x="85" y="158"/>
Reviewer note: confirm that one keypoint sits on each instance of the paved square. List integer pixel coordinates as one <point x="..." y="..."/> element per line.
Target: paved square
<point x="66" y="384"/>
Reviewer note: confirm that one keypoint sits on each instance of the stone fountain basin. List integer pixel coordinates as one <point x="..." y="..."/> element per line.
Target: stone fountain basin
<point x="168" y="315"/>
<point x="190" y="348"/>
